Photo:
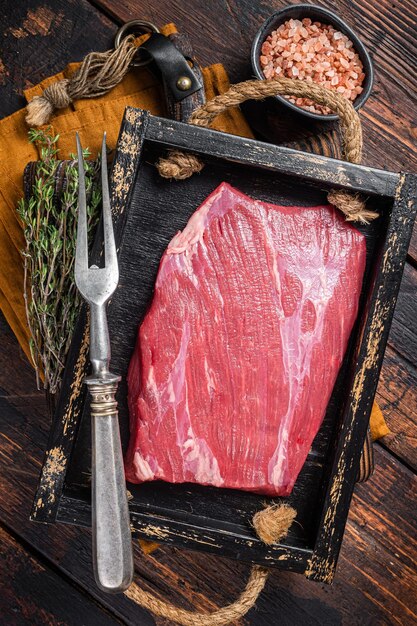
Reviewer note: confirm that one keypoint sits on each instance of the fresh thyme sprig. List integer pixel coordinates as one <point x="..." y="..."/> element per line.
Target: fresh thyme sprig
<point x="49" y="220"/>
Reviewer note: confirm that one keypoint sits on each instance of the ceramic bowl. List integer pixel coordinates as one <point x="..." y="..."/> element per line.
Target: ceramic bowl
<point x="316" y="13"/>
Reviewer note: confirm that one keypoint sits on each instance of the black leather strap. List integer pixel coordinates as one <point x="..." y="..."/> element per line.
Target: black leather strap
<point x="182" y="111"/>
<point x="172" y="65"/>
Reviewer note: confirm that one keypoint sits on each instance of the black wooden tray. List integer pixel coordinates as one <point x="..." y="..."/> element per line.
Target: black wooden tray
<point x="148" y="211"/>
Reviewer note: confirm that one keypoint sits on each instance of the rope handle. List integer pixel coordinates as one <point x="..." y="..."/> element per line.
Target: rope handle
<point x="271" y="525"/>
<point x="221" y="617"/>
<point x="180" y="166"/>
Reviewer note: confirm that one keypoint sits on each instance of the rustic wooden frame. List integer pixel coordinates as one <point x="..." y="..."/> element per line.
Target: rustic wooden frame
<point x="55" y="502"/>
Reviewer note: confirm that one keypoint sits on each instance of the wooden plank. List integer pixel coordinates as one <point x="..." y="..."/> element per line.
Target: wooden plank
<point x="316" y="168"/>
<point x="197" y="581"/>
<point x="240" y="21"/>
<point x="403" y="335"/>
<point x="196" y="534"/>
<point x="23" y="438"/>
<point x="412" y="249"/>
<point x="397" y="398"/>
<point x="39" y="39"/>
<point x="397" y="389"/>
<point x="33" y="593"/>
<point x="380" y="549"/>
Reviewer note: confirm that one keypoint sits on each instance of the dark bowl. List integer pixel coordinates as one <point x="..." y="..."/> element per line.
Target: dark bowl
<point x="316" y="13"/>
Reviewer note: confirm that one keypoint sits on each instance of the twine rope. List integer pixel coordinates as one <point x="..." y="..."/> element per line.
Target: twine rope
<point x="223" y="616"/>
<point x="98" y="73"/>
<point x="179" y="165"/>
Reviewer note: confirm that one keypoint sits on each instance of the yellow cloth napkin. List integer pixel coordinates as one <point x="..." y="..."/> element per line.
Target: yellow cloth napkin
<point x="89" y="117"/>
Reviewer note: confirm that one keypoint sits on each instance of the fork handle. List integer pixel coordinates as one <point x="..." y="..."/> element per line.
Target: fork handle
<point x="112" y="541"/>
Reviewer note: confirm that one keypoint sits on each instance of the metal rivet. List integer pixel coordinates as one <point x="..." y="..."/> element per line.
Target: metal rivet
<point x="184" y="83"/>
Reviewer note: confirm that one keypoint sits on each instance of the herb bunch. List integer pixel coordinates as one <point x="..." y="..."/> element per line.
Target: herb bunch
<point x="50" y="226"/>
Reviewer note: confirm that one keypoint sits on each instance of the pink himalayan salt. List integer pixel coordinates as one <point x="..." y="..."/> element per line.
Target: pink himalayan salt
<point x="313" y="52"/>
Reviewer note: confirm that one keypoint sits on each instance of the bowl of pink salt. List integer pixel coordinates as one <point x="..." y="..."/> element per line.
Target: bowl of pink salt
<point x="307" y="42"/>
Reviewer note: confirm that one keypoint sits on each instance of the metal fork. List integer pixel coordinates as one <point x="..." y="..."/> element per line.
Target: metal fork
<point x="112" y="542"/>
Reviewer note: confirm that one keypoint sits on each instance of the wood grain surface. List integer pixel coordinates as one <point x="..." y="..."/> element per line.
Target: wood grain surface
<point x="35" y="593"/>
<point x="376" y="581"/>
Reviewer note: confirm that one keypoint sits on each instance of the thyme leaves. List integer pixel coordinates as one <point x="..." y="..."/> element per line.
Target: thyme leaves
<point x="49" y="219"/>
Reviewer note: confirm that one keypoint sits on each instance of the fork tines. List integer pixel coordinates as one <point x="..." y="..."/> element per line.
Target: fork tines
<point x="94" y="283"/>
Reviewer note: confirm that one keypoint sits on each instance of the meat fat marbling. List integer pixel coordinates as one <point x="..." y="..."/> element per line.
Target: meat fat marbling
<point x="238" y="354"/>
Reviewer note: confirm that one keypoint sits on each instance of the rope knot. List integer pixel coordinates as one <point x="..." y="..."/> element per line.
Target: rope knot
<point x="40" y="109"/>
<point x="273" y="522"/>
<point x="352" y="205"/>
<point x="179" y="165"/>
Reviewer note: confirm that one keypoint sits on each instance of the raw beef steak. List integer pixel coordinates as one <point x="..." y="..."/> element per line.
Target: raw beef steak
<point x="238" y="354"/>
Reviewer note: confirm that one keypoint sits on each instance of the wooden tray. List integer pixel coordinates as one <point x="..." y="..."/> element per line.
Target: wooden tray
<point x="148" y="211"/>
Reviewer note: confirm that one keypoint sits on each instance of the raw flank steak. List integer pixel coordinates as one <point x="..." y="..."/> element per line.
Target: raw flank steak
<point x="238" y="354"/>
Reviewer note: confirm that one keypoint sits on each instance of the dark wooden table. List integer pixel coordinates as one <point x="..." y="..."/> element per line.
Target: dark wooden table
<point x="45" y="571"/>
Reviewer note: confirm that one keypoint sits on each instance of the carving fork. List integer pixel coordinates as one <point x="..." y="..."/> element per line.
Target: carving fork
<point x="112" y="541"/>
